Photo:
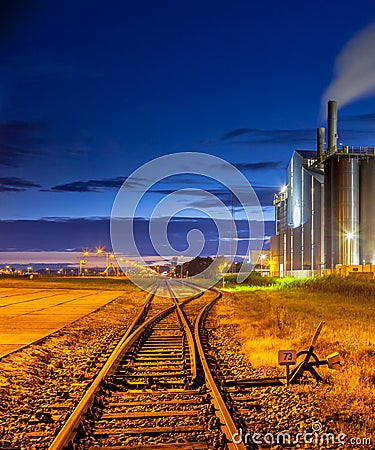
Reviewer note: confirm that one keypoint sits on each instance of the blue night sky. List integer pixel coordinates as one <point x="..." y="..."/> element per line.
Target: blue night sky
<point x="91" y="90"/>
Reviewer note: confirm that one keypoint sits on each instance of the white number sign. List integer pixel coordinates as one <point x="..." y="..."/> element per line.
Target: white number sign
<point x="287" y="357"/>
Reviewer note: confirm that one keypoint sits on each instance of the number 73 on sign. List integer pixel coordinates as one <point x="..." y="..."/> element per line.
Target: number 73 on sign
<point x="287" y="357"/>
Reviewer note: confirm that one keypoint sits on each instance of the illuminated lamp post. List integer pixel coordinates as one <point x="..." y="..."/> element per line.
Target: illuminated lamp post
<point x="108" y="256"/>
<point x="82" y="261"/>
<point x="99" y="251"/>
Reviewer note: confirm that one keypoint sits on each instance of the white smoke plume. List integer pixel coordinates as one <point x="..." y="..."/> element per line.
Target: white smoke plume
<point x="354" y="71"/>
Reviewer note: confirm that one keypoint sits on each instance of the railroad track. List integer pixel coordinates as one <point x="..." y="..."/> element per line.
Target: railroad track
<point x="156" y="390"/>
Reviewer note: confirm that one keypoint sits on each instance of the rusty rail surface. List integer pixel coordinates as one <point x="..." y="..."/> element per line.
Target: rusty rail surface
<point x="67" y="432"/>
<point x="230" y="427"/>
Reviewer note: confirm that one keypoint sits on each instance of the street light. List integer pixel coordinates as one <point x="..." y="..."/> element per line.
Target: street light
<point x="108" y="256"/>
<point x="82" y="261"/>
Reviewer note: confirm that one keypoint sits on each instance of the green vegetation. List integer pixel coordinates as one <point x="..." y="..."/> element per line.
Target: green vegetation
<point x="348" y="286"/>
<point x="285" y="315"/>
<point x="254" y="280"/>
<point x="61" y="282"/>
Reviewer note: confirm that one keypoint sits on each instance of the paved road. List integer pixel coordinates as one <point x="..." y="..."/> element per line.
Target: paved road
<point x="27" y="315"/>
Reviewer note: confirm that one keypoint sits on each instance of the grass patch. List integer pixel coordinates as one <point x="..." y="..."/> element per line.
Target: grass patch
<point x="268" y="319"/>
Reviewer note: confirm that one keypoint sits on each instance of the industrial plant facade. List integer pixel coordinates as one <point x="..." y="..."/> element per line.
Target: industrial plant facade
<point x="325" y="216"/>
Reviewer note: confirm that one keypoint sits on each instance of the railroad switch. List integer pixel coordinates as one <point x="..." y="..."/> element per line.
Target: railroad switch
<point x="311" y="361"/>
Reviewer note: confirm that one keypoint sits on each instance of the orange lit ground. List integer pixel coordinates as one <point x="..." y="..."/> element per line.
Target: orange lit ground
<point x="27" y="315"/>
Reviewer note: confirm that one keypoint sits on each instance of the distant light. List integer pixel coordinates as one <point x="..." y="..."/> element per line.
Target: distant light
<point x="296" y="216"/>
<point x="350" y="235"/>
<point x="262" y="256"/>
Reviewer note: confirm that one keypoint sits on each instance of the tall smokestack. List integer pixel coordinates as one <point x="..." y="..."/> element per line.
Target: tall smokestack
<point x="332" y="126"/>
<point x="320" y="136"/>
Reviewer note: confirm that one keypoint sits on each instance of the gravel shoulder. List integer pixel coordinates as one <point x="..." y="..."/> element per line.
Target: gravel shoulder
<point x="40" y="384"/>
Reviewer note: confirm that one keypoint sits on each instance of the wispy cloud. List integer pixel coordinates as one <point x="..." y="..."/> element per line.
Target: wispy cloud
<point x="254" y="136"/>
<point x="15" y="184"/>
<point x="18" y="141"/>
<point x="260" y="166"/>
<point x="237" y="132"/>
<point x="362" y="131"/>
<point x="98" y="185"/>
<point x="197" y="199"/>
<point x="302" y="138"/>
<point x="361" y="118"/>
<point x="90" y="185"/>
<point x="78" y="234"/>
<point x="194" y="198"/>
<point x="37" y="235"/>
<point x="264" y="195"/>
<point x="178" y="181"/>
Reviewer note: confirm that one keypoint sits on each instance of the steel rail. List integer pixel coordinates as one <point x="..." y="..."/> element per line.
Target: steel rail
<point x="68" y="431"/>
<point x="190" y="284"/>
<point x="211" y="384"/>
<point x="189" y="334"/>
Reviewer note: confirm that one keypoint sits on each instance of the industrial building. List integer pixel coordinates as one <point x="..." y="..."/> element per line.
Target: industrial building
<point x="325" y="215"/>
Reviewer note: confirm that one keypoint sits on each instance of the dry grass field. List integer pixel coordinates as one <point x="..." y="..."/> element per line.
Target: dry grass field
<point x="285" y="316"/>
